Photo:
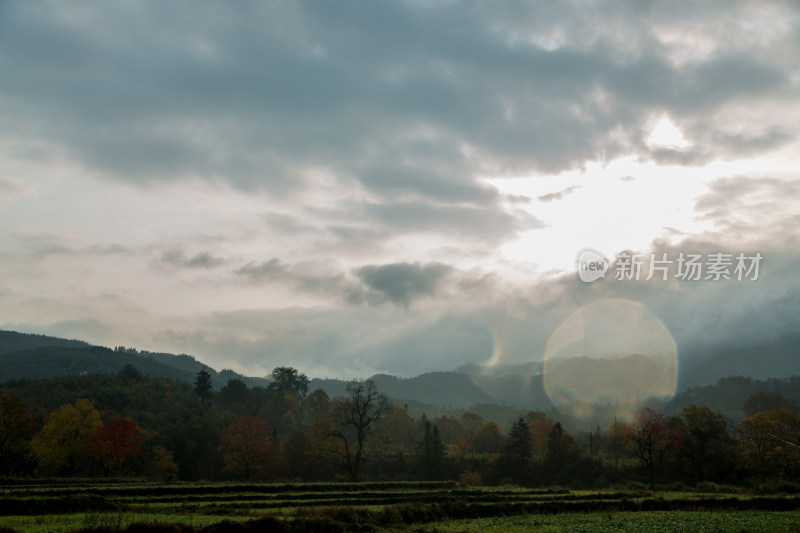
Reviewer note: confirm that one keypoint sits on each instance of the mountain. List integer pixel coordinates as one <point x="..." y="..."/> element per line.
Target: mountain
<point x="24" y="355"/>
<point x="12" y="341"/>
<point x="51" y="361"/>
<point x="778" y="359"/>
<point x="627" y="380"/>
<point x="439" y="388"/>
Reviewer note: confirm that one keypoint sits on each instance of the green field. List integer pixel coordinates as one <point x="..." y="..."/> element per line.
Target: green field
<point x="439" y="506"/>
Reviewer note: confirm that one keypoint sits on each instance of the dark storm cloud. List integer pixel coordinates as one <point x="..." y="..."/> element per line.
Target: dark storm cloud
<point x="400" y="283"/>
<point x="403" y="98"/>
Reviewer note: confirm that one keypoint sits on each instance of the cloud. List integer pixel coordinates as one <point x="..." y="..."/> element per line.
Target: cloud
<point x="400" y="283"/>
<point x="752" y="210"/>
<point x="558" y="195"/>
<point x="179" y="259"/>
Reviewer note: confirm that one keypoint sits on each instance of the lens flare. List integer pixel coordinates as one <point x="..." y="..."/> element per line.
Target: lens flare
<point x="497" y="350"/>
<point x="609" y="353"/>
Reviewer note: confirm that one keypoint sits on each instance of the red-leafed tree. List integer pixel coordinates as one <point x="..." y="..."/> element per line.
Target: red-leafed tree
<point x="114" y="442"/>
<point x="248" y="448"/>
<point x="652" y="438"/>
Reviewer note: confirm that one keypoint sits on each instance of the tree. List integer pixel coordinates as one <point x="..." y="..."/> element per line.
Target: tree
<point x="114" y="442"/>
<point x="771" y="441"/>
<point x="398" y="430"/>
<point x="561" y="452"/>
<point x="764" y="401"/>
<point x="519" y="451"/>
<point x="345" y="434"/>
<point x="652" y="437"/>
<point x="129" y="374"/>
<point x="705" y="441"/>
<point x="449" y="428"/>
<point x="520" y="442"/>
<point x="16" y="428"/>
<point x="317" y="404"/>
<point x="62" y="445"/>
<point x="202" y="385"/>
<point x="288" y="380"/>
<point x="471" y="422"/>
<point x="489" y="439"/>
<point x="248" y="448"/>
<point x="233" y="396"/>
<point x="162" y="465"/>
<point x="431" y="451"/>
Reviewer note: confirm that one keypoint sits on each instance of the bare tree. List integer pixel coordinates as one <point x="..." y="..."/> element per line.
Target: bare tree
<point x="351" y="423"/>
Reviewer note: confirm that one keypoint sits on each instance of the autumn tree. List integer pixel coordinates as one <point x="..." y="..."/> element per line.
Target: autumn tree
<point x="489" y="439"/>
<point x="472" y="423"/>
<point x="317" y="404"/>
<point x="162" y="464"/>
<point x="398" y="431"/>
<point x="248" y="448"/>
<point x="771" y="441"/>
<point x="652" y="438"/>
<point x="344" y="434"/>
<point x="63" y="445"/>
<point x="202" y="385"/>
<point x="706" y="442"/>
<point x="16" y="429"/>
<point x="450" y="429"/>
<point x="114" y="442"/>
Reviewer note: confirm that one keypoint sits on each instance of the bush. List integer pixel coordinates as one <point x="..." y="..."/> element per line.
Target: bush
<point x="469" y="478"/>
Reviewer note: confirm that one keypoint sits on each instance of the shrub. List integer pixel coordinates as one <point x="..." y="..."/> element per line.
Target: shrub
<point x="470" y="478"/>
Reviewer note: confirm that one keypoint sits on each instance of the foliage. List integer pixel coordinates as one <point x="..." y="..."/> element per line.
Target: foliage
<point x="288" y="380"/>
<point x="248" y="449"/>
<point x="114" y="442"/>
<point x="62" y="445"/>
<point x="652" y="437"/>
<point x="345" y="433"/>
<point x="202" y="385"/>
<point x="16" y="428"/>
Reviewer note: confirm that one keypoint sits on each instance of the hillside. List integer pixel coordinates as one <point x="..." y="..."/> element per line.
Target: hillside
<point x="55" y="361"/>
<point x="778" y="359"/>
<point x="39" y="356"/>
<point x="12" y="341"/>
<point x="439" y="388"/>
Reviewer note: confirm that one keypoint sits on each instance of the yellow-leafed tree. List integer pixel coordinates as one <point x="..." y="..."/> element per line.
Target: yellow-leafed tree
<point x="63" y="445"/>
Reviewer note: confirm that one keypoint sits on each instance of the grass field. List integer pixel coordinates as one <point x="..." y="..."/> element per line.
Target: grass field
<point x="436" y="506"/>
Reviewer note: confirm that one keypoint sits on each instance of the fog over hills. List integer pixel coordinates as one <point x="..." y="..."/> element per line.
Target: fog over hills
<point x="601" y="381"/>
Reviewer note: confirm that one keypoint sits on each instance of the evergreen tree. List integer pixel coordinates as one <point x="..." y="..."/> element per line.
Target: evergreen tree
<point x="519" y="451"/>
<point x="431" y="451"/>
<point x="202" y="385"/>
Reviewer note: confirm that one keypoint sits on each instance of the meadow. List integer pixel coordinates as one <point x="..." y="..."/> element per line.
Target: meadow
<point x="412" y="506"/>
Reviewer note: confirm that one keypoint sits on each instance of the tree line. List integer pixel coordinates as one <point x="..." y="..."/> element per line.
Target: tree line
<point x="127" y="424"/>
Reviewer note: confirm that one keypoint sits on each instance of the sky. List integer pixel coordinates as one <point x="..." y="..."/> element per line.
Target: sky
<point x="402" y="187"/>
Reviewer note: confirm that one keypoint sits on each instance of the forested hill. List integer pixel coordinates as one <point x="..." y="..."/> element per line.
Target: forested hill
<point x="38" y="356"/>
<point x="51" y="361"/>
<point x="12" y="341"/>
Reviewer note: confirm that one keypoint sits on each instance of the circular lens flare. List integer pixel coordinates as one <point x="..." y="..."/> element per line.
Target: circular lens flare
<point x="609" y="353"/>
